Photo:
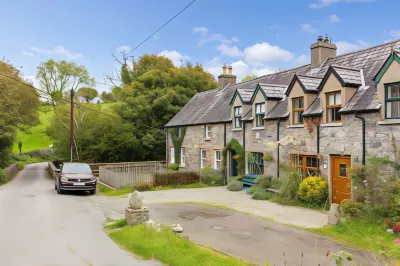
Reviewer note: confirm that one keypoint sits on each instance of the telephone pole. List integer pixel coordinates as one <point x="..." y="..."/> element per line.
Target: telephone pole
<point x="71" y="127"/>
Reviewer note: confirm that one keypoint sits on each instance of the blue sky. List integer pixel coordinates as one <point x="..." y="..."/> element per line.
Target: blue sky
<point x="256" y="37"/>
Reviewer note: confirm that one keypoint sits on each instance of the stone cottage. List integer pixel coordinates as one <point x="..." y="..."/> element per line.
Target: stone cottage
<point x="338" y="108"/>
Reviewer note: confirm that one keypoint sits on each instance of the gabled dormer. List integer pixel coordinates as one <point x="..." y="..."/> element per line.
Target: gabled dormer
<point x="240" y="105"/>
<point x="388" y="87"/>
<point x="301" y="92"/>
<point x="336" y="89"/>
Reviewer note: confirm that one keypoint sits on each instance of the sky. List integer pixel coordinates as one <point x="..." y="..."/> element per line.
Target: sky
<point x="255" y="37"/>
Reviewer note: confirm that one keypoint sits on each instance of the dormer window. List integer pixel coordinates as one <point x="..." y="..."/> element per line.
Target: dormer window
<point x="297" y="110"/>
<point x="260" y="113"/>
<point x="238" y="117"/>
<point x="392" y="100"/>
<point x="333" y="105"/>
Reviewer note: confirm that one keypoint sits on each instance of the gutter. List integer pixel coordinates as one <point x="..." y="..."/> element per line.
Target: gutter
<point x="363" y="137"/>
<point x="318" y="155"/>
<point x="277" y="152"/>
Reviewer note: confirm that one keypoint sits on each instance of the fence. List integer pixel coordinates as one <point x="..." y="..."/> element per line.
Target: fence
<point x="129" y="174"/>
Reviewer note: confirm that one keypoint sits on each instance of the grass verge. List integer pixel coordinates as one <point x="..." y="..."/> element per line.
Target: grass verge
<point x="105" y="191"/>
<point x="297" y="203"/>
<point x="113" y="224"/>
<point x="170" y="249"/>
<point x="363" y="234"/>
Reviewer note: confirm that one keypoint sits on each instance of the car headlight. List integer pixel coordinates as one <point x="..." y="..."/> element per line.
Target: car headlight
<point x="64" y="179"/>
<point x="94" y="179"/>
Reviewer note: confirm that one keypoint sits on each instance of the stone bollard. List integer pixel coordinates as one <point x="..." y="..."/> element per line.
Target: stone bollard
<point x="136" y="214"/>
<point x="334" y="214"/>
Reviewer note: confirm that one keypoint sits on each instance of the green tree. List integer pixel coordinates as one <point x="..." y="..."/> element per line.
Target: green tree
<point x="107" y="97"/>
<point x="247" y="78"/>
<point x="125" y="75"/>
<point x="87" y="93"/>
<point x="56" y="78"/>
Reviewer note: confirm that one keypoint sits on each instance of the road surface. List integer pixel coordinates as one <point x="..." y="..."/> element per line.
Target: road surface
<point x="40" y="228"/>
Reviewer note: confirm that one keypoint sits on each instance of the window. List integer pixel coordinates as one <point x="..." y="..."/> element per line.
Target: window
<point x="305" y="164"/>
<point x="217" y="159"/>
<point x="333" y="105"/>
<point x="255" y="163"/>
<point x="172" y="155"/>
<point x="182" y="156"/>
<point x="392" y="101"/>
<point x="208" y="131"/>
<point x="203" y="158"/>
<point x="238" y="117"/>
<point x="260" y="112"/>
<point x="297" y="110"/>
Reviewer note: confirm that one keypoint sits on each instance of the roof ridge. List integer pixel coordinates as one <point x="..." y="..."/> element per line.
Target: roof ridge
<point x="307" y="76"/>
<point x="349" y="68"/>
<point x="208" y="91"/>
<point x="368" y="48"/>
<point x="273" y="85"/>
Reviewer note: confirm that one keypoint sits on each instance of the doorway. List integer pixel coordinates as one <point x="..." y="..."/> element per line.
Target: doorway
<point x="341" y="185"/>
<point x="234" y="171"/>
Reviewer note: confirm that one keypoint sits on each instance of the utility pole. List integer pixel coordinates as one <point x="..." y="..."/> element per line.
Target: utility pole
<point x="71" y="127"/>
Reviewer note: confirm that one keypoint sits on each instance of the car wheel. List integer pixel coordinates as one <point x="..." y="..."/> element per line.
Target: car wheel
<point x="59" y="190"/>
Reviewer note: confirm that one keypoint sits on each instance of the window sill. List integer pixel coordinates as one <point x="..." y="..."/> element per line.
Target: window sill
<point x="331" y="125"/>
<point x="207" y="139"/>
<point x="257" y="128"/>
<point x="389" y="122"/>
<point x="236" y="129"/>
<point x="295" y="126"/>
<point x="181" y="166"/>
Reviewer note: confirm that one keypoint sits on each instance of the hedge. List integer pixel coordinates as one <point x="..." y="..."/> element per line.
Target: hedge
<point x="176" y="178"/>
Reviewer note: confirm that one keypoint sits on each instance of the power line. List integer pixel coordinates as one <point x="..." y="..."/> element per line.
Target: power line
<point x="177" y="14"/>
<point x="77" y="104"/>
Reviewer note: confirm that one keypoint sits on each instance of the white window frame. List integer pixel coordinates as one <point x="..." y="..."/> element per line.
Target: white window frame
<point x="217" y="162"/>
<point x="208" y="131"/>
<point x="203" y="160"/>
<point x="172" y="154"/>
<point x="182" y="156"/>
<point x="237" y="117"/>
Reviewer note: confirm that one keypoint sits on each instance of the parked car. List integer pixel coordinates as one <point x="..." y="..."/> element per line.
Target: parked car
<point x="74" y="177"/>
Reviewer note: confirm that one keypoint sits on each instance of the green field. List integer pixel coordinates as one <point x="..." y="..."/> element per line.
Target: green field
<point x="36" y="137"/>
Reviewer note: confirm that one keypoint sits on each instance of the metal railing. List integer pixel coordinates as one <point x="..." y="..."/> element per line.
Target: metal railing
<point x="120" y="175"/>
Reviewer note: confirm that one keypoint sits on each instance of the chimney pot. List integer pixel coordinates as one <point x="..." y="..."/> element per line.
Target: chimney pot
<point x="320" y="39"/>
<point x="224" y="69"/>
<point x="230" y="70"/>
<point x="326" y="39"/>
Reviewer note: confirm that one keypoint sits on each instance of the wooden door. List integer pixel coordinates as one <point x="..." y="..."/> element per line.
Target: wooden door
<point x="341" y="187"/>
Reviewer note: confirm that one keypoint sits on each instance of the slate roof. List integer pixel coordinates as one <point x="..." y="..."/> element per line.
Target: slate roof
<point x="273" y="91"/>
<point x="213" y="106"/>
<point x="314" y="109"/>
<point x="248" y="116"/>
<point x="349" y="75"/>
<point x="310" y="83"/>
<point x="279" y="111"/>
<point x="246" y="94"/>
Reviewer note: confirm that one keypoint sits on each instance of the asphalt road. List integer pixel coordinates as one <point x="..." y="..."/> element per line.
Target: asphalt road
<point x="39" y="227"/>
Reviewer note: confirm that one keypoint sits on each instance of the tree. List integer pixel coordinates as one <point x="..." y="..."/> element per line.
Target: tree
<point x="87" y="93"/>
<point x="58" y="77"/>
<point x="125" y="75"/>
<point x="247" y="78"/>
<point x="107" y="97"/>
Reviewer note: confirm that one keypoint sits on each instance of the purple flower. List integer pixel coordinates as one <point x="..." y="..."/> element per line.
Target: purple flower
<point x="397" y="241"/>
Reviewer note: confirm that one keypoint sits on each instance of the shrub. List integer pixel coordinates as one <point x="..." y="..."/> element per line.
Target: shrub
<point x="396" y="228"/>
<point x="173" y="167"/>
<point x="276" y="183"/>
<point x="264" y="181"/>
<point x="2" y="175"/>
<point x="314" y="190"/>
<point x="268" y="157"/>
<point x="175" y="178"/>
<point x="233" y="178"/>
<point x="210" y="176"/>
<point x="290" y="187"/>
<point x="235" y="186"/>
<point x="352" y="208"/>
<point x="261" y="194"/>
<point x="252" y="189"/>
<point x="143" y="187"/>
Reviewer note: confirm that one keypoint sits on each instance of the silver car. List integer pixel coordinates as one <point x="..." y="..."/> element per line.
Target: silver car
<point x="74" y="177"/>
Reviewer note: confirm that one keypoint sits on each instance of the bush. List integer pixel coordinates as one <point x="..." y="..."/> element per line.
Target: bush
<point x="235" y="186"/>
<point x="175" y="178"/>
<point x="173" y="167"/>
<point x="276" y="183"/>
<point x="314" y="190"/>
<point x="2" y="175"/>
<point x="290" y="187"/>
<point x="143" y="187"/>
<point x="233" y="178"/>
<point x="352" y="208"/>
<point x="252" y="189"/>
<point x="264" y="181"/>
<point x="210" y="176"/>
<point x="261" y="194"/>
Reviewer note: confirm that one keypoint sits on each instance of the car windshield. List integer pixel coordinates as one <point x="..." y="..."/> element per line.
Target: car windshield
<point x="76" y="169"/>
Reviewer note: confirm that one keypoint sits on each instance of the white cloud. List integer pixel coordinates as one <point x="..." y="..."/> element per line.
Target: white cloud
<point x="201" y="30"/>
<point x="301" y="60"/>
<point x="347" y="47"/>
<point x="216" y="38"/>
<point x="325" y="3"/>
<point x="58" y="50"/>
<point x="123" y="49"/>
<point x="263" y="71"/>
<point x="234" y="39"/>
<point x="334" y="19"/>
<point x="395" y="33"/>
<point x="308" y="28"/>
<point x="28" y="53"/>
<point x="232" y="51"/>
<point x="260" y="53"/>
<point x="176" y="57"/>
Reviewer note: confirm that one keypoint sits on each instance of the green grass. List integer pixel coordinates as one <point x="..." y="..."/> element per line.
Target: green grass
<point x="36" y="138"/>
<point x="115" y="223"/>
<point x="363" y="234"/>
<point x="105" y="191"/>
<point x="298" y="203"/>
<point x="170" y="249"/>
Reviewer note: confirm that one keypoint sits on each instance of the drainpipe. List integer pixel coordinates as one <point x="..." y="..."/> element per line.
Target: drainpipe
<point x="277" y="152"/>
<point x="166" y="143"/>
<point x="224" y="135"/>
<point x="244" y="145"/>
<point x="226" y="172"/>
<point x="318" y="125"/>
<point x="363" y="137"/>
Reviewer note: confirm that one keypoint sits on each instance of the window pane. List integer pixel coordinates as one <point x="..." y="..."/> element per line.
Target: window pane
<point x="258" y="108"/>
<point x="240" y="110"/>
<point x="203" y="154"/>
<point x="337" y="115"/>
<point x="218" y="155"/>
<point x="338" y="98"/>
<point x="263" y="108"/>
<point x="394" y="91"/>
<point x="301" y="105"/>
<point x="296" y="103"/>
<point x="331" y="99"/>
<point x="331" y="114"/>
<point x="393" y="109"/>
<point x="300" y="160"/>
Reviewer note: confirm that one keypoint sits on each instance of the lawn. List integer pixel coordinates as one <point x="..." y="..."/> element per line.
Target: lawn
<point x="105" y="191"/>
<point x="169" y="248"/>
<point x="36" y="137"/>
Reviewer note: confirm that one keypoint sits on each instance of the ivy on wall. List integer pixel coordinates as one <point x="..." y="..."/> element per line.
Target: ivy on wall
<point x="234" y="145"/>
<point x="177" y="141"/>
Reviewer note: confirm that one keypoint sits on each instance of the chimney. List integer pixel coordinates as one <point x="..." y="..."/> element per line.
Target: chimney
<point x="321" y="50"/>
<point x="226" y="78"/>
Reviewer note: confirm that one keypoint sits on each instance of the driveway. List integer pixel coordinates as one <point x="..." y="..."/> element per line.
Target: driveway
<point x="40" y="228"/>
<point x="236" y="200"/>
